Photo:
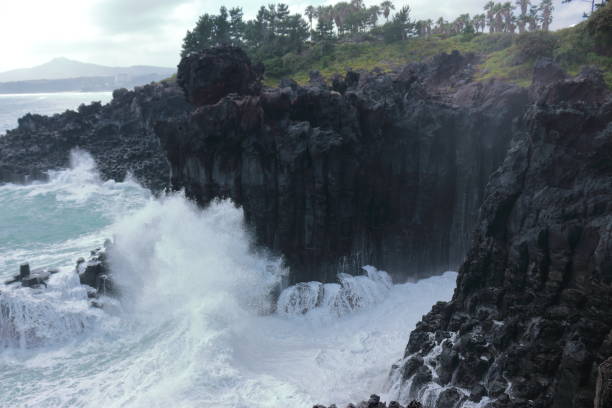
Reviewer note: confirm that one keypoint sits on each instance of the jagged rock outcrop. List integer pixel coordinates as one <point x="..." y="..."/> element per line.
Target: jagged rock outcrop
<point x="389" y="172"/>
<point x="96" y="272"/>
<point x="531" y="319"/>
<point x="375" y="402"/>
<point x="119" y="135"/>
<point x="603" y="390"/>
<point x="31" y="278"/>
<point x="207" y="77"/>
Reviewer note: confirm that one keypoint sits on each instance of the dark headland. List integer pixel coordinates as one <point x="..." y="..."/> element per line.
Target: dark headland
<point x="416" y="170"/>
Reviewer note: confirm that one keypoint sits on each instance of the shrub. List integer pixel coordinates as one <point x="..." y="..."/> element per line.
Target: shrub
<point x="275" y="67"/>
<point x="493" y="42"/>
<point x="599" y="27"/>
<point x="573" y="46"/>
<point x="533" y="45"/>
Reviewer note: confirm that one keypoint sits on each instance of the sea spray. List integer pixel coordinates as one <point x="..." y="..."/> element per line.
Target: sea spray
<point x="336" y="299"/>
<point x="172" y="254"/>
<point x="52" y="223"/>
<point x="195" y="327"/>
<point x="50" y="316"/>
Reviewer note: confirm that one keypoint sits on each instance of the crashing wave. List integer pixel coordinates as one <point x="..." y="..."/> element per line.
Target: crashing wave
<point x="350" y="294"/>
<point x="55" y="315"/>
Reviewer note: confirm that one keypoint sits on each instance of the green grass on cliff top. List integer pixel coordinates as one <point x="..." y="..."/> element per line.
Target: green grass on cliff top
<point x="503" y="55"/>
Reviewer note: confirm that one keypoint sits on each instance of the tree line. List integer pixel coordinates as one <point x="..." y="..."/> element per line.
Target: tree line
<point x="275" y="31"/>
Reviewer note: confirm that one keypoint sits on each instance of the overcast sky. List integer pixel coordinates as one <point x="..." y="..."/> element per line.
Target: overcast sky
<point x="150" y="32"/>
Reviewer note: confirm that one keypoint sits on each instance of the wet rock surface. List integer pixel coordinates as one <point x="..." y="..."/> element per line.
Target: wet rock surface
<point x="603" y="391"/>
<point x="381" y="169"/>
<point x="375" y="402"/>
<point x="31" y="278"/>
<point x="390" y="169"/>
<point x="96" y="272"/>
<point x="531" y="319"/>
<point x="119" y="135"/>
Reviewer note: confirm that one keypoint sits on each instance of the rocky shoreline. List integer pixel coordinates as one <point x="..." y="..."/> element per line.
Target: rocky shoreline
<point x="530" y="321"/>
<point x="387" y="169"/>
<point x="375" y="402"/>
<point x="119" y="135"/>
<point x="409" y="171"/>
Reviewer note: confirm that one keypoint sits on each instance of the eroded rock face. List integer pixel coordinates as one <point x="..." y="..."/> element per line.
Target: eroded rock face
<point x="531" y="318"/>
<point x="119" y="136"/>
<point x="603" y="390"/>
<point x="388" y="172"/>
<point x="208" y="76"/>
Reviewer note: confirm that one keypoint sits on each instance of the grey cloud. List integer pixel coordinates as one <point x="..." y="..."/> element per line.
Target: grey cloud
<point x="145" y="32"/>
<point x="564" y="15"/>
<point x="129" y="16"/>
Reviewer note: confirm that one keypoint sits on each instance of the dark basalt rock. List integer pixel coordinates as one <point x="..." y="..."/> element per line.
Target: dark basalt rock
<point x="588" y="87"/>
<point x="214" y="73"/>
<point x="545" y="72"/>
<point x="532" y="312"/>
<point x="32" y="278"/>
<point x="386" y="169"/>
<point x="96" y="272"/>
<point x="119" y="135"/>
<point x="375" y="402"/>
<point x="450" y="398"/>
<point x="603" y="392"/>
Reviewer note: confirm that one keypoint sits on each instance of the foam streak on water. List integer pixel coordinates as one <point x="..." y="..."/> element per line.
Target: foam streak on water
<point x="196" y="326"/>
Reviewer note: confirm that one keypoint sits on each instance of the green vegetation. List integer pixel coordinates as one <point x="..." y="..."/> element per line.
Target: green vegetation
<point x="275" y="32"/>
<point x="348" y="36"/>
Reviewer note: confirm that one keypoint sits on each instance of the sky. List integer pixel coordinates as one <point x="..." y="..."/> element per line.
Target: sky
<point x="150" y="32"/>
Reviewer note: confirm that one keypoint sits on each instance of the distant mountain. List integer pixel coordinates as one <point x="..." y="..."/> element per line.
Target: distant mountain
<point x="64" y="68"/>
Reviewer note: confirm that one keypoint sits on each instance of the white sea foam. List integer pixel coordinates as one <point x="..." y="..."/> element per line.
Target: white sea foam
<point x="336" y="299"/>
<point x="52" y="223"/>
<point x="196" y="326"/>
<point x="41" y="317"/>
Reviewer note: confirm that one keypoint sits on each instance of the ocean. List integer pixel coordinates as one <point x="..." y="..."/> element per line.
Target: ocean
<point x="196" y="325"/>
<point x="14" y="106"/>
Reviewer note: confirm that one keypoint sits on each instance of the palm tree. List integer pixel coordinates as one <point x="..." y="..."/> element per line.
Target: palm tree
<point x="489" y="8"/>
<point x="386" y="7"/>
<point x="339" y="13"/>
<point x="506" y="12"/>
<point x="478" y="21"/>
<point x="533" y="18"/>
<point x="372" y="15"/>
<point x="523" y="19"/>
<point x="441" y="26"/>
<point x="310" y="12"/>
<point x="499" y="19"/>
<point x="546" y="8"/>
<point x="428" y="24"/>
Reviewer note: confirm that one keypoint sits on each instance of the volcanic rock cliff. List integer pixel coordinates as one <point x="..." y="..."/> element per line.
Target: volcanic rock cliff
<point x="382" y="169"/>
<point x="119" y="135"/>
<point x="531" y="318"/>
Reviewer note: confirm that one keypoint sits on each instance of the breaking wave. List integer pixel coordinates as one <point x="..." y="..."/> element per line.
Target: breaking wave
<point x="200" y="322"/>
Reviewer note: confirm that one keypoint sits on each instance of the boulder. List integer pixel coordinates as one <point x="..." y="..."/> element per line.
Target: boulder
<point x="32" y="278"/>
<point x="546" y="72"/>
<point x="96" y="273"/>
<point x="208" y="76"/>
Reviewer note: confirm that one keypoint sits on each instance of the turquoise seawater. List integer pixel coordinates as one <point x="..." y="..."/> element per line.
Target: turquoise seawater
<point x="196" y="325"/>
<point x="52" y="223"/>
